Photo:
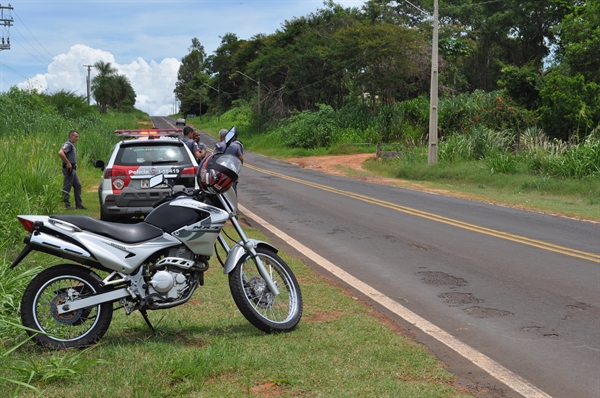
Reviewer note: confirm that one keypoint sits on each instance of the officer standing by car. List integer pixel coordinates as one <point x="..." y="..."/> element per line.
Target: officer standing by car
<point x="188" y="139"/>
<point x="201" y="145"/>
<point x="235" y="148"/>
<point x="69" y="169"/>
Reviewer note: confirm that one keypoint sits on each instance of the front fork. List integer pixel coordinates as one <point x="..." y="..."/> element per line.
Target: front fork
<point x="240" y="249"/>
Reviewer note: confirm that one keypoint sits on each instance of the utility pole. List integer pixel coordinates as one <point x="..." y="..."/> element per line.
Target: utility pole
<point x="89" y="67"/>
<point x="433" y="100"/>
<point x="5" y="20"/>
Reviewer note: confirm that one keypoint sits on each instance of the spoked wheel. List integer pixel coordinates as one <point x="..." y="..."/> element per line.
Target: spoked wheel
<point x="56" y="286"/>
<point x="262" y="308"/>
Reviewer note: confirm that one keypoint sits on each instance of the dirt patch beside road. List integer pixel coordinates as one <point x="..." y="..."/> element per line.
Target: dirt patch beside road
<point x="351" y="166"/>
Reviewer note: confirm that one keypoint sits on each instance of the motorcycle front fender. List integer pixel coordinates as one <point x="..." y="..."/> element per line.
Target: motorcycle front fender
<point x="236" y="253"/>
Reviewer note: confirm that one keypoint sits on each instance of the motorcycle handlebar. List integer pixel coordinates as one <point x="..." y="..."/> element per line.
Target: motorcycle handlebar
<point x="161" y="201"/>
<point x="172" y="196"/>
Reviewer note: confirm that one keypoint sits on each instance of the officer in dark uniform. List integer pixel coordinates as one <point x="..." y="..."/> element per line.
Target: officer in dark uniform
<point x="69" y="168"/>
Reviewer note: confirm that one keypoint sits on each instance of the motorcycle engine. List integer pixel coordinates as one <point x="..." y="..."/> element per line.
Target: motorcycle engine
<point x="170" y="282"/>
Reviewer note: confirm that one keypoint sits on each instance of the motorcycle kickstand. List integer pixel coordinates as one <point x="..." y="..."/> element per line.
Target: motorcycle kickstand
<point x="145" y="315"/>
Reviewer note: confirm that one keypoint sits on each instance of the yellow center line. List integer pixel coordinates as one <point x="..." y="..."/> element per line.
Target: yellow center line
<point x="445" y="220"/>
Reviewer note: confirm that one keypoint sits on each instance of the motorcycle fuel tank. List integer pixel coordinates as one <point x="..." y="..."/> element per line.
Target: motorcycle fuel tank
<point x="194" y="223"/>
<point x="171" y="218"/>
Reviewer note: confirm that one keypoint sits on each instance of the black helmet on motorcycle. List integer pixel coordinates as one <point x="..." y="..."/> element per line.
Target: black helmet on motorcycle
<point x="218" y="172"/>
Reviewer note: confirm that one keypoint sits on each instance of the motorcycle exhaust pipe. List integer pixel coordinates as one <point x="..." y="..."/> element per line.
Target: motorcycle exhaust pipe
<point x="54" y="244"/>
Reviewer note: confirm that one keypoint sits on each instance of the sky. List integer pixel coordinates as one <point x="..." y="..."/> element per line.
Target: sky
<point x="145" y="40"/>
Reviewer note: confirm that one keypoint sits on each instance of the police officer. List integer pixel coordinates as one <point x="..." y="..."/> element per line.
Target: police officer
<point x="201" y="145"/>
<point x="69" y="168"/>
<point x="188" y="139"/>
<point x="235" y="148"/>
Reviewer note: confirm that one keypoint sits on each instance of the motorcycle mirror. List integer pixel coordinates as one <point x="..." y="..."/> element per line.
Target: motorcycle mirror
<point x="230" y="136"/>
<point x="156" y="180"/>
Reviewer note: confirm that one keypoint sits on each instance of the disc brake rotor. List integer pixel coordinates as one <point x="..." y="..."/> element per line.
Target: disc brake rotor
<point x="68" y="318"/>
<point x="257" y="290"/>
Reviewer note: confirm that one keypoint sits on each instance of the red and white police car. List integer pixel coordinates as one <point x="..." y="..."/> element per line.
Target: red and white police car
<point x="124" y="189"/>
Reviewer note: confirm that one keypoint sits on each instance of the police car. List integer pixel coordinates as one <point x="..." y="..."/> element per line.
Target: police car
<point x="124" y="189"/>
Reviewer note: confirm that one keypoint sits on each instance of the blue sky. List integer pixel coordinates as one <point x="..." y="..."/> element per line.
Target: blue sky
<point x="144" y="39"/>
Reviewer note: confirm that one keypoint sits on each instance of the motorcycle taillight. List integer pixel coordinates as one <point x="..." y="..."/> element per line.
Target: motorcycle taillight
<point x="27" y="224"/>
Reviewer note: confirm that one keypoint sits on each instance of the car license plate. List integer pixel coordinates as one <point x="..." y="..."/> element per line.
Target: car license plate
<point x="145" y="184"/>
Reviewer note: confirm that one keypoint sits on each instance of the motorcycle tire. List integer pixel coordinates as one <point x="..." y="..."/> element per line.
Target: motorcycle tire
<point x="259" y="306"/>
<point x="53" y="286"/>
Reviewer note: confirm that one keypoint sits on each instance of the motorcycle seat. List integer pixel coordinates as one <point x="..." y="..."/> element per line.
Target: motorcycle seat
<point x="126" y="233"/>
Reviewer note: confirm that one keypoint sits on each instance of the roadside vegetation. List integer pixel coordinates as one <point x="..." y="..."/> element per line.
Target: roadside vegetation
<point x="519" y="106"/>
<point x="515" y="127"/>
<point x="204" y="348"/>
<point x="526" y="170"/>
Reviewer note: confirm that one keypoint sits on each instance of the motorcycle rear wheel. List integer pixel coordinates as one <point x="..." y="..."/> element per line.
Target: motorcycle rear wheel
<point x="255" y="301"/>
<point x="54" y="286"/>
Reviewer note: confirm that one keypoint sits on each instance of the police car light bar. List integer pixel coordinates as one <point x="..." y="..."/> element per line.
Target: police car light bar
<point x="148" y="133"/>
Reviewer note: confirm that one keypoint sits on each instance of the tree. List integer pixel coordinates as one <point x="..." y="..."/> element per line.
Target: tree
<point x="382" y="59"/>
<point x="522" y="84"/>
<point x="190" y="76"/>
<point x="110" y="88"/>
<point x="580" y="40"/>
<point x="510" y="32"/>
<point x="102" y="84"/>
<point x="222" y="67"/>
<point x="124" y="95"/>
<point x="570" y="106"/>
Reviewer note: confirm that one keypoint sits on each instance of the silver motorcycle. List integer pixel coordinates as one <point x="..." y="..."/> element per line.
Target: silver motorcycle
<point x="155" y="264"/>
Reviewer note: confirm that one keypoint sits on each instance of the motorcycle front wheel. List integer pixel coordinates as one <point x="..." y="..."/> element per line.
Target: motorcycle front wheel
<point x="55" y="286"/>
<point x="255" y="301"/>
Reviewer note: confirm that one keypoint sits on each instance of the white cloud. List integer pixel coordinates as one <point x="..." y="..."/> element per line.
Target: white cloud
<point x="147" y="38"/>
<point x="152" y="82"/>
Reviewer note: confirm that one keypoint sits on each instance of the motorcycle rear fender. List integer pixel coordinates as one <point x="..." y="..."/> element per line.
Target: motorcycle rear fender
<point x="57" y="247"/>
<point x="89" y="248"/>
<point x="236" y="253"/>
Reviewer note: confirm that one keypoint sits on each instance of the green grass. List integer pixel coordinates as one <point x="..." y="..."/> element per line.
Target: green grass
<point x="206" y="348"/>
<point x="474" y="180"/>
<point x="500" y="178"/>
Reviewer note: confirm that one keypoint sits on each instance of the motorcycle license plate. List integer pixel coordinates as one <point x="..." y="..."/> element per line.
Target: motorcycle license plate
<point x="145" y="184"/>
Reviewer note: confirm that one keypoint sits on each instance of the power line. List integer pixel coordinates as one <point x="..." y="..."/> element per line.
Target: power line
<point x="470" y="5"/>
<point x="32" y="35"/>
<point x="339" y="71"/>
<point x="418" y="8"/>
<point x="12" y="70"/>
<point x="42" y="55"/>
<point x="36" y="58"/>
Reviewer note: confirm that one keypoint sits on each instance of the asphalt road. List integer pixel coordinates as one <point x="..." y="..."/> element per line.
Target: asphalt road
<point x="521" y="287"/>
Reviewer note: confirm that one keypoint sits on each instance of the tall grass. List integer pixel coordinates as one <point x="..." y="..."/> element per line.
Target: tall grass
<point x="560" y="159"/>
<point x="32" y="132"/>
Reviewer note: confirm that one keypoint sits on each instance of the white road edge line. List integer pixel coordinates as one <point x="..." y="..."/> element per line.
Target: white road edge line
<point x="496" y="370"/>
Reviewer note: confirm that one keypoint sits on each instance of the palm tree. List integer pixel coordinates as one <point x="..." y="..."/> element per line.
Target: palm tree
<point x="110" y="88"/>
<point x="103" y="84"/>
<point x="123" y="91"/>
